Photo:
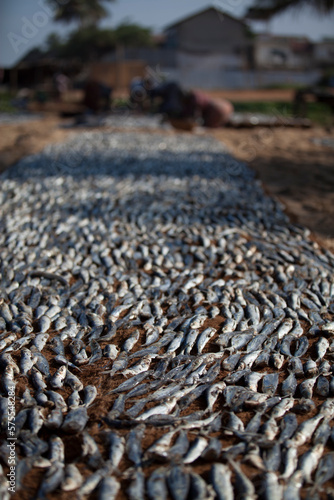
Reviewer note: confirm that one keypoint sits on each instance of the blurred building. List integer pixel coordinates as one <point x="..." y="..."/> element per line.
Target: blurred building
<point x="324" y="53"/>
<point x="35" y="70"/>
<point x="209" y="49"/>
<point x="280" y="52"/>
<point x="209" y="45"/>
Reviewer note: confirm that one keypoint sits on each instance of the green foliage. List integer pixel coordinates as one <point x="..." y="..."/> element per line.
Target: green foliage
<point x="265" y="9"/>
<point x="132" y="35"/>
<point x="53" y="43"/>
<point x="249" y="33"/>
<point x="6" y="105"/>
<point x="284" y="86"/>
<point x="317" y="112"/>
<point x="91" y="42"/>
<point x="88" y="43"/>
<point x="86" y="12"/>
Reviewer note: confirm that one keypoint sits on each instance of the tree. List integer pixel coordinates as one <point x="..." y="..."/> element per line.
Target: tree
<point x="86" y="12"/>
<point x="265" y="9"/>
<point x="88" y="43"/>
<point x="91" y="42"/>
<point x="133" y="35"/>
<point x="53" y="43"/>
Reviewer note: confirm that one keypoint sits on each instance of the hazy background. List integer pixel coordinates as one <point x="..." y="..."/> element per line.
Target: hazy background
<point x="152" y="13"/>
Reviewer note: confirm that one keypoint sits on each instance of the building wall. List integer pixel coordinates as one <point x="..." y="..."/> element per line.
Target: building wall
<point x="153" y="56"/>
<point x="209" y="32"/>
<point x="117" y="74"/>
<point x="273" y="53"/>
<point x="220" y="78"/>
<point x="324" y="53"/>
<point x="209" y="62"/>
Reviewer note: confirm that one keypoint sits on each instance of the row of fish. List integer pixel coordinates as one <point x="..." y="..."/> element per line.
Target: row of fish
<point x="157" y="307"/>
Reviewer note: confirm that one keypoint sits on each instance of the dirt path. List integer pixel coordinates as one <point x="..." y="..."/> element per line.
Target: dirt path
<point x="26" y="138"/>
<point x="293" y="168"/>
<point x="291" y="165"/>
<point x="284" y="95"/>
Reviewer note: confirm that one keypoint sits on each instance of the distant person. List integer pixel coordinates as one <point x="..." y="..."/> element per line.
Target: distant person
<point x="61" y="83"/>
<point x="214" y="113"/>
<point x="180" y="104"/>
<point x="22" y="99"/>
<point x="97" y="96"/>
<point x="171" y="97"/>
<point x="140" y="91"/>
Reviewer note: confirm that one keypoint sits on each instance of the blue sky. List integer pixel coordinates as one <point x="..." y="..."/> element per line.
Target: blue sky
<point x="25" y="24"/>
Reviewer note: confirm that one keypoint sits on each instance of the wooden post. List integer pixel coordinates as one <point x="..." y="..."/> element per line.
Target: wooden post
<point x="119" y="60"/>
<point x="13" y="79"/>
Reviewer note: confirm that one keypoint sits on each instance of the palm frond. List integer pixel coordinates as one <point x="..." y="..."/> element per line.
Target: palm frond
<point x="265" y="9"/>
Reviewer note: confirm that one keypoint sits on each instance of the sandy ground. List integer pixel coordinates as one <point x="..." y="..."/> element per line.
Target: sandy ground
<point x="292" y="167"/>
<point x="255" y="95"/>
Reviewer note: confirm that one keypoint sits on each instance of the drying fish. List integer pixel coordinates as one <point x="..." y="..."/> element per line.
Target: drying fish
<point x="142" y="366"/>
<point x="168" y="248"/>
<point x="73" y="478"/>
<point x="109" y="488"/>
<point x="178" y="481"/>
<point x="120" y="363"/>
<point x="52" y="479"/>
<point x="309" y="461"/>
<point x="162" y="409"/>
<point x="221" y="480"/>
<point x="75" y="420"/>
<point x="271" y="487"/>
<point x="243" y="485"/>
<point x="196" y="450"/>
<point x="160" y="448"/>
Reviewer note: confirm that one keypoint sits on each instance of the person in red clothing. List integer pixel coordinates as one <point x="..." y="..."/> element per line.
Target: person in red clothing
<point x="97" y="96"/>
<point x="214" y="113"/>
<point x="182" y="106"/>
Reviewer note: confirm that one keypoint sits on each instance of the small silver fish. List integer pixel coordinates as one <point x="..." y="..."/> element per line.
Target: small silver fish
<point x="73" y="478"/>
<point x="52" y="479"/>
<point x="196" y="450"/>
<point x="58" y="378"/>
<point x="111" y="351"/>
<point x="75" y="421"/>
<point x="90" y="393"/>
<point x="161" y="409"/>
<point x="221" y="481"/>
<point x="204" y="338"/>
<point x="156" y="485"/>
<point x="109" y="488"/>
<point x="309" y="461"/>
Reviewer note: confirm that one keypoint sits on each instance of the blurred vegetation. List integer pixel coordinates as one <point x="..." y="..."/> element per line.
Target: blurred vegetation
<point x="86" y="12"/>
<point x="283" y="86"/>
<point x="87" y="44"/>
<point x="92" y="42"/>
<point x="317" y="112"/>
<point x="265" y="9"/>
<point x="88" y="41"/>
<point x="133" y="35"/>
<point x="6" y="102"/>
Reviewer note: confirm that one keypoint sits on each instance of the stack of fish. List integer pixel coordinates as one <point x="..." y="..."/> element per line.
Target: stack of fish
<point x="168" y="331"/>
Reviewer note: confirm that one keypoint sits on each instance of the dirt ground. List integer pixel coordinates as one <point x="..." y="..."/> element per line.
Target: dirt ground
<point x="284" y="95"/>
<point x="292" y="166"/>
